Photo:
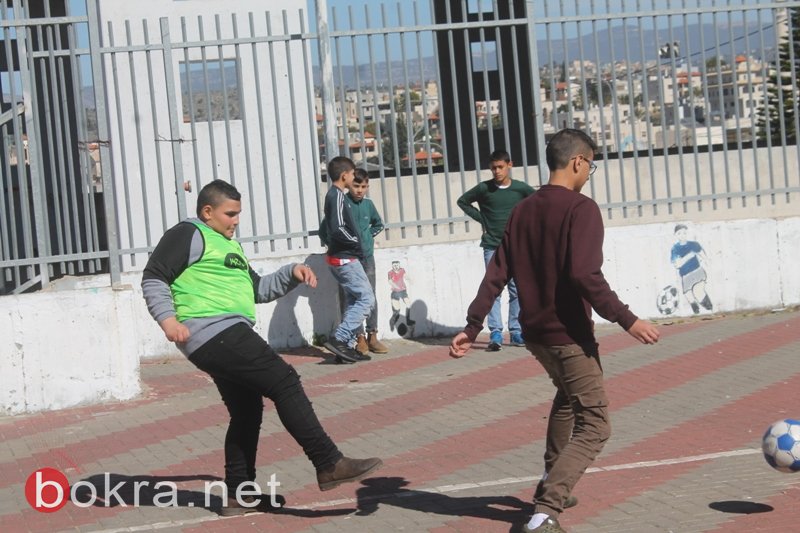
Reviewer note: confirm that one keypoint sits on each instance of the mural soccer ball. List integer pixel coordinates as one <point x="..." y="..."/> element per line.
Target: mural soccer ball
<point x="781" y="445"/>
<point x="668" y="299"/>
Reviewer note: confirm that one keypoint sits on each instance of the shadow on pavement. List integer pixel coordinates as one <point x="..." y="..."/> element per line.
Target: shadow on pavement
<point x="113" y="490"/>
<point x="740" y="507"/>
<point x="391" y="491"/>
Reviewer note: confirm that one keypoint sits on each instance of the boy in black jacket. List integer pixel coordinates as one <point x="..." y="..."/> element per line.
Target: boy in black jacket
<point x="345" y="256"/>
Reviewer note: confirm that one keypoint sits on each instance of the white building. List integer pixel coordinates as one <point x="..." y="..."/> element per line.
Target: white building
<point x="237" y="105"/>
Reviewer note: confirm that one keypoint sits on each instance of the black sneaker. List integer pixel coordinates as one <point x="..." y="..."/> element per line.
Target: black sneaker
<point x="343" y="353"/>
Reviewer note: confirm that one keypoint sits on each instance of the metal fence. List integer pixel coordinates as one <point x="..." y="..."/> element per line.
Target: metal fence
<point x="113" y="119"/>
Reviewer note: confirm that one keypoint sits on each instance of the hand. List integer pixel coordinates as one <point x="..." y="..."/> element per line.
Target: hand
<point x="644" y="332"/>
<point x="460" y="345"/>
<point x="174" y="330"/>
<point x="304" y="274"/>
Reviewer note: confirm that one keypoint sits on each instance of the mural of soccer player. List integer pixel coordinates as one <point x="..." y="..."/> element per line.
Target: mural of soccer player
<point x="399" y="295"/>
<point x="689" y="258"/>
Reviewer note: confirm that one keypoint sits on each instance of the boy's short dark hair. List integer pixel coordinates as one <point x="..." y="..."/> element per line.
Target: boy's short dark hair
<point x="338" y="166"/>
<point x="500" y="155"/>
<point x="215" y="193"/>
<point x="567" y="144"/>
<point x="680" y="227"/>
<point x="361" y="176"/>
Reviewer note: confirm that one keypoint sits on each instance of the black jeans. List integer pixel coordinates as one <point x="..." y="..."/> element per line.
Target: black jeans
<point x="245" y="368"/>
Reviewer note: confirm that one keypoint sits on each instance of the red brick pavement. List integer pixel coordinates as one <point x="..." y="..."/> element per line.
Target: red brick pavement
<point x="502" y="436"/>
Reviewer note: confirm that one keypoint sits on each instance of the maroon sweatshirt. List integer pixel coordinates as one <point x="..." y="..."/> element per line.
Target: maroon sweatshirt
<point x="553" y="249"/>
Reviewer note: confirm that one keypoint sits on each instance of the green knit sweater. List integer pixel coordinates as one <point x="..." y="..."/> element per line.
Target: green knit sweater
<point x="494" y="207"/>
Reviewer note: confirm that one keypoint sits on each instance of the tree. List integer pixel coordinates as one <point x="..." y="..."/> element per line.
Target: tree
<point x="388" y="141"/>
<point x="711" y="63"/>
<point x="777" y="117"/>
<point x="413" y="96"/>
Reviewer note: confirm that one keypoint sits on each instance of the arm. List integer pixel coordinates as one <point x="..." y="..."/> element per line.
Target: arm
<point x="526" y="189"/>
<point x="339" y="232"/>
<point x="273" y="286"/>
<point x="466" y="200"/>
<point x="497" y="275"/>
<point x="323" y="231"/>
<point x="585" y="263"/>
<point x="177" y="249"/>
<point x="375" y="222"/>
<point x="701" y="254"/>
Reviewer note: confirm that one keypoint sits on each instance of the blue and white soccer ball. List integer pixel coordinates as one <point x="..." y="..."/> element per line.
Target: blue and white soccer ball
<point x="781" y="445"/>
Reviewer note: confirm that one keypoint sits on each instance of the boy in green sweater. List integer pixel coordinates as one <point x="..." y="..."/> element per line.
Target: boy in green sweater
<point x="496" y="198"/>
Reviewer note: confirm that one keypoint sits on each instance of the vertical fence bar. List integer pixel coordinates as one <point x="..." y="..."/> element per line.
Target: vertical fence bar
<point x="248" y="165"/>
<point x="262" y="134"/>
<point x="523" y="157"/>
<point x="207" y="89"/>
<point x="295" y="120"/>
<point x="98" y="79"/>
<point x="37" y="192"/>
<point x="326" y="80"/>
<point x="113" y="189"/>
<point x="143" y="177"/>
<point x="55" y="143"/>
<point x="535" y="84"/>
<point x="278" y="129"/>
<point x="174" y="124"/>
<point x="157" y="137"/>
<point x="225" y="110"/>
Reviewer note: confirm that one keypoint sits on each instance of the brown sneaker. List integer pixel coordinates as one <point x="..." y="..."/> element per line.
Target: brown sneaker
<point x="346" y="470"/>
<point x="361" y="344"/>
<point x="375" y="345"/>
<point x="264" y="505"/>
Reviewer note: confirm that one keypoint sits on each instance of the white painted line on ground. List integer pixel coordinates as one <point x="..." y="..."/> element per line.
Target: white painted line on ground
<point x="444" y="489"/>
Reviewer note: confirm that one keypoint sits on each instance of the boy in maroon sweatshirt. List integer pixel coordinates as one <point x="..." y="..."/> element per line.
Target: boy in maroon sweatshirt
<point x="553" y="249"/>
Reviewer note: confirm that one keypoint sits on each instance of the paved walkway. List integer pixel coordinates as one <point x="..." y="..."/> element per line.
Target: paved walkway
<point x="462" y="441"/>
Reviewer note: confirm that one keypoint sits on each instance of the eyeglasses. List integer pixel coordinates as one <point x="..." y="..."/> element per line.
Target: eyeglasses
<point x="592" y="165"/>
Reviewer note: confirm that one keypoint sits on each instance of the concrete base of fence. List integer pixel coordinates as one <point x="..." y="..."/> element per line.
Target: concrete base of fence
<point x="67" y="348"/>
<point x="81" y="341"/>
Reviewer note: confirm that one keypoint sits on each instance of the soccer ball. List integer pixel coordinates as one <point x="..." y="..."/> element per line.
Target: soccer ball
<point x="667" y="301"/>
<point x="781" y="445"/>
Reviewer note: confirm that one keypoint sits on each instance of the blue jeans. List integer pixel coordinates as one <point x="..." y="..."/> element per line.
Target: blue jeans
<point x="496" y="315"/>
<point x="359" y="300"/>
<point x="372" y="320"/>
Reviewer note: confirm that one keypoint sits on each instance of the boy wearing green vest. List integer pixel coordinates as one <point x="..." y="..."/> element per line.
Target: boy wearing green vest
<point x="201" y="290"/>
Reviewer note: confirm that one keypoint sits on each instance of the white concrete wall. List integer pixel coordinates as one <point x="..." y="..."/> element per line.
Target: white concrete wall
<point x="81" y="342"/>
<point x="67" y="348"/>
